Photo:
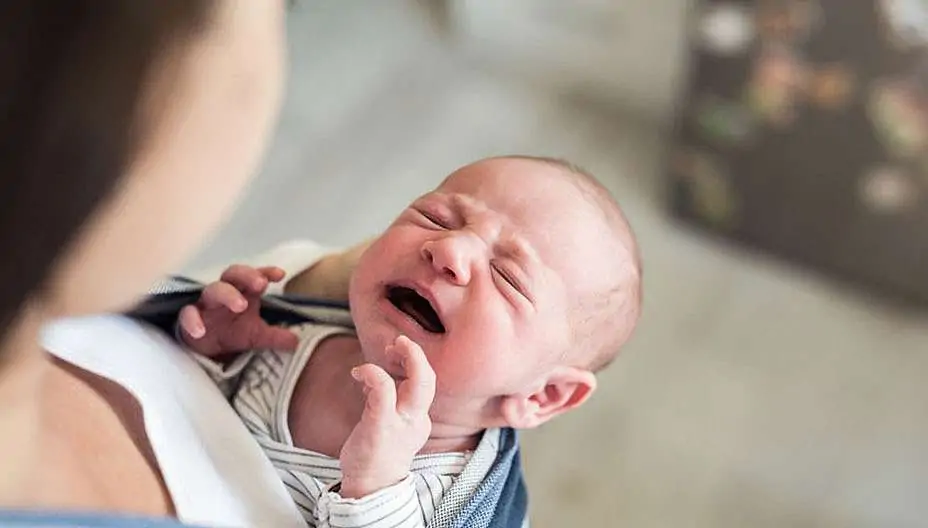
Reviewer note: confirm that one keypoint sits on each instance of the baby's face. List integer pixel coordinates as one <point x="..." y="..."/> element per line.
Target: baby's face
<point x="480" y="273"/>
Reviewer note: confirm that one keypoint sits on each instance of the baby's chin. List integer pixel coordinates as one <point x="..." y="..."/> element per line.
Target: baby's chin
<point x="389" y="365"/>
<point x="374" y="351"/>
<point x="374" y="348"/>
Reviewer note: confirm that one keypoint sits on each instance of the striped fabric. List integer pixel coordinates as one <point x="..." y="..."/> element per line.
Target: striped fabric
<point x="260" y="385"/>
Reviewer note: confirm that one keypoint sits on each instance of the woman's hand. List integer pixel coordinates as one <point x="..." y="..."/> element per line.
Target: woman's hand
<point x="227" y="317"/>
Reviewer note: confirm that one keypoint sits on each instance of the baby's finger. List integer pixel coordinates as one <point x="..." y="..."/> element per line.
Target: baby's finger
<point x="275" y="338"/>
<point x="273" y="273"/>
<point x="380" y="389"/>
<point x="417" y="391"/>
<point x="191" y="322"/>
<point x="223" y="295"/>
<point x="247" y="279"/>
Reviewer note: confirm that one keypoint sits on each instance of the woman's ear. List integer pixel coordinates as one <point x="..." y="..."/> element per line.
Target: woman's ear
<point x="565" y="389"/>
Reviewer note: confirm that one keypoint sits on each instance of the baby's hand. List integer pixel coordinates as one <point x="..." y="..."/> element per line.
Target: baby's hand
<point x="227" y="317"/>
<point x="394" y="426"/>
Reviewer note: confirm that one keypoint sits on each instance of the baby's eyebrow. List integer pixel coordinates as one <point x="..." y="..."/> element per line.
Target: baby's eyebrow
<point x="461" y="203"/>
<point x="455" y="202"/>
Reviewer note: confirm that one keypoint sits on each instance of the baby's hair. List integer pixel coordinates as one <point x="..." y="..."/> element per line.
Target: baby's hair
<point x="604" y="320"/>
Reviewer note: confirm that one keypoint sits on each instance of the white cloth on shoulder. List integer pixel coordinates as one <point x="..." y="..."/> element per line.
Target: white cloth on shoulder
<point x="214" y="470"/>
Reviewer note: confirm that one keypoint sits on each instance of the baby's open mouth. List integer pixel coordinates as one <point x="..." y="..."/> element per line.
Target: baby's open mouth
<point x="416" y="306"/>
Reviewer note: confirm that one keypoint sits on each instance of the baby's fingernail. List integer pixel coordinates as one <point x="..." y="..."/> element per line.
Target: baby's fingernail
<point x="197" y="332"/>
<point x="356" y="373"/>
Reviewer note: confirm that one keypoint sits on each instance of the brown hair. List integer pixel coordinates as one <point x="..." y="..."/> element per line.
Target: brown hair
<point x="73" y="75"/>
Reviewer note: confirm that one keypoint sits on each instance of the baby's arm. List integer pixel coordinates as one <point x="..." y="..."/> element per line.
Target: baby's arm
<point x="397" y="506"/>
<point x="377" y="488"/>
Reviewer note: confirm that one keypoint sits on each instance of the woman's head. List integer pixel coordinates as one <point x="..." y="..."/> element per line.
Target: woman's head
<point x="127" y="130"/>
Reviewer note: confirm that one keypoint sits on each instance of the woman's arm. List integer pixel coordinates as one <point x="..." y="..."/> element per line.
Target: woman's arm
<point x="329" y="277"/>
<point x="312" y="270"/>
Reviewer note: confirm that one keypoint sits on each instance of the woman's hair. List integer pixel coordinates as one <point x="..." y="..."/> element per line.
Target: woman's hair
<point x="73" y="77"/>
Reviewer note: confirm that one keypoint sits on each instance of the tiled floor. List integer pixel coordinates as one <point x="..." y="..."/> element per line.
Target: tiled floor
<point x="753" y="395"/>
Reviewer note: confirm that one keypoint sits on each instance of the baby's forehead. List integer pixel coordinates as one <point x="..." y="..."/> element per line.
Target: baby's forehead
<point x="519" y="188"/>
<point x="543" y="210"/>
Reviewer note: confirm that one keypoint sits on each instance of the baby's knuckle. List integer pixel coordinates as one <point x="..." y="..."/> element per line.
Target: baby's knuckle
<point x="412" y="422"/>
<point x="417" y="420"/>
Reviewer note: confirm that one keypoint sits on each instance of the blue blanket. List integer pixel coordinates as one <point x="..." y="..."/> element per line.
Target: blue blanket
<point x="501" y="500"/>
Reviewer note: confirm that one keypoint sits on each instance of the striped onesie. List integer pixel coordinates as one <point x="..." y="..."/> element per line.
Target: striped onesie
<point x="260" y="385"/>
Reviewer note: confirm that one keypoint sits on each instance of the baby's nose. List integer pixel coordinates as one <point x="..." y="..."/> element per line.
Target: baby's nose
<point x="448" y="259"/>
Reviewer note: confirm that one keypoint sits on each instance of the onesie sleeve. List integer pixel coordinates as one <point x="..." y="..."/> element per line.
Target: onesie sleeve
<point x="395" y="506"/>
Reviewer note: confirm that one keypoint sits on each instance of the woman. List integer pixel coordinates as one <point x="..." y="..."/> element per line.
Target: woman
<point x="128" y="130"/>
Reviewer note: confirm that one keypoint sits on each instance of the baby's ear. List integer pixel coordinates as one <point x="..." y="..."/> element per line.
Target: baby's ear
<point x="565" y="389"/>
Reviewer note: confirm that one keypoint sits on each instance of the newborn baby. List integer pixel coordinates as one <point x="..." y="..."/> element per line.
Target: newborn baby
<point x="489" y="304"/>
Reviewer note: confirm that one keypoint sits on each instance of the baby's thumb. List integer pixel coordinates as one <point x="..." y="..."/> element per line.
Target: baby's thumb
<point x="191" y="323"/>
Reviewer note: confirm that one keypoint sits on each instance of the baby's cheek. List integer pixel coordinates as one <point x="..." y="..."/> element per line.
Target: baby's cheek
<point x="462" y="375"/>
<point x="449" y="380"/>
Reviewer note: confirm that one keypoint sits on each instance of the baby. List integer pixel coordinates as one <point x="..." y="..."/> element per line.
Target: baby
<point x="488" y="305"/>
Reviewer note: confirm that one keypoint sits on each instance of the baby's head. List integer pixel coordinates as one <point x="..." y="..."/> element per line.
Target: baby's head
<point x="518" y="276"/>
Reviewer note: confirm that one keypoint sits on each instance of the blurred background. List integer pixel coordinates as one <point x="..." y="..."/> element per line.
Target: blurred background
<point x="770" y="155"/>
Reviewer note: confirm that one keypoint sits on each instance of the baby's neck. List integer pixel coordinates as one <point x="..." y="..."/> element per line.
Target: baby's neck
<point x="329" y="370"/>
<point x="451" y="439"/>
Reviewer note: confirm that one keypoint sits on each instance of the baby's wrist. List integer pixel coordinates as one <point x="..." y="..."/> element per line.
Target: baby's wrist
<point x="358" y="487"/>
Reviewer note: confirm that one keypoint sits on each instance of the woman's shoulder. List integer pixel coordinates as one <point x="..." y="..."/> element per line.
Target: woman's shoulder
<point x="131" y="353"/>
<point x="214" y="470"/>
<point x="81" y="336"/>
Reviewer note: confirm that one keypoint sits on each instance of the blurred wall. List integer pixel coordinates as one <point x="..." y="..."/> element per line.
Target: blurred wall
<point x="620" y="53"/>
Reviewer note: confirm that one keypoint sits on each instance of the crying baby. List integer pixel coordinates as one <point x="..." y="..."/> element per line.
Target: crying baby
<point x="488" y="305"/>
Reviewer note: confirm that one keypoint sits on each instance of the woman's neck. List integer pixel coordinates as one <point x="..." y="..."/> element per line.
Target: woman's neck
<point x="23" y="366"/>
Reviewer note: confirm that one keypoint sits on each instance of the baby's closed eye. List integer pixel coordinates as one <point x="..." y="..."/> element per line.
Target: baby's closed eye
<point x="511" y="278"/>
